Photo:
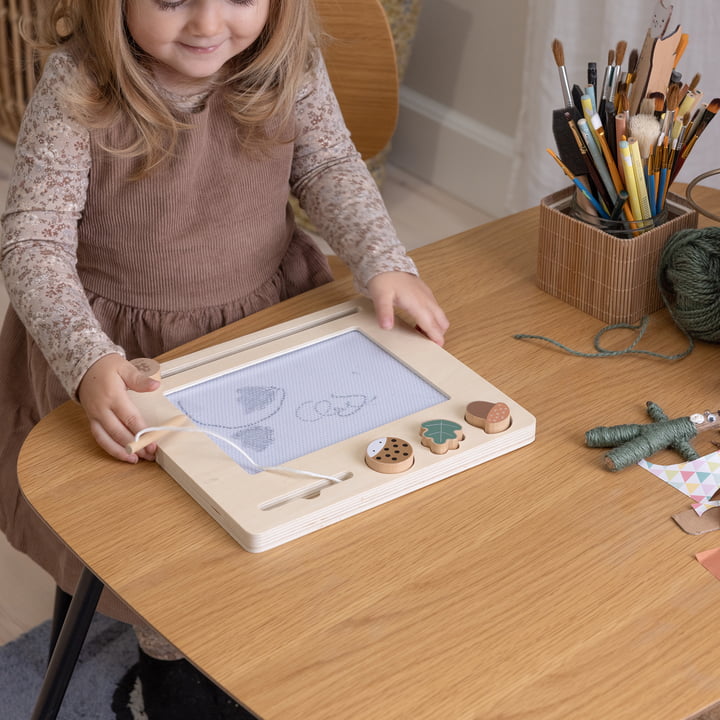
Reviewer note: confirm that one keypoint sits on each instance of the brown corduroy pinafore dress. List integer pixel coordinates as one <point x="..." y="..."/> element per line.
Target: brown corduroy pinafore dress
<point x="207" y="238"/>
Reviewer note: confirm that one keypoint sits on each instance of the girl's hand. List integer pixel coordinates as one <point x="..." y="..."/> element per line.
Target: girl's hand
<point x="399" y="289"/>
<point x="114" y="419"/>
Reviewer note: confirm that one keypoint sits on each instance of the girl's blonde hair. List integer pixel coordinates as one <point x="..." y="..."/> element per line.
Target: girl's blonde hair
<point x="114" y="79"/>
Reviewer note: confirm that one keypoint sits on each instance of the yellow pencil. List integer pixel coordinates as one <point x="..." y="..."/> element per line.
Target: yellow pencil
<point x="639" y="173"/>
<point x="630" y="178"/>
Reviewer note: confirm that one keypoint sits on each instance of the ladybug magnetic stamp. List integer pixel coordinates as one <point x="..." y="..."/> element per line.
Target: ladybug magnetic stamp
<point x="389" y="455"/>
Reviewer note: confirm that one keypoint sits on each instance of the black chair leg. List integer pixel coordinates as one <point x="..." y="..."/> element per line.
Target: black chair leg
<point x="69" y="643"/>
<point x="60" y="610"/>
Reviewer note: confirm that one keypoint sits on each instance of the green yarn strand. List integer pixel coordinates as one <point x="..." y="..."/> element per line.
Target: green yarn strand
<point x="602" y="352"/>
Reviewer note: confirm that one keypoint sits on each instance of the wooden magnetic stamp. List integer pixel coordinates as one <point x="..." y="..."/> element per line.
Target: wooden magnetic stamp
<point x="441" y="435"/>
<point x="389" y="455"/>
<point x="491" y="417"/>
<point x="148" y="367"/>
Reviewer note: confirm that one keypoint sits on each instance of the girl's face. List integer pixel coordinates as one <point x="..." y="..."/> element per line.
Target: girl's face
<point x="192" y="39"/>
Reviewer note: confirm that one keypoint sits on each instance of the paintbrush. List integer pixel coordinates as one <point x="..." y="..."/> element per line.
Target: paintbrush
<point x="559" y="55"/>
<point x="565" y="142"/>
<point x="621" y="121"/>
<point x="607" y="153"/>
<point x="632" y="66"/>
<point x="648" y="106"/>
<point x="653" y="103"/>
<point x="689" y="87"/>
<point x="696" y="117"/>
<point x="707" y="116"/>
<point x="592" y="77"/>
<point x="589" y="164"/>
<point x="578" y="183"/>
<point x="654" y="166"/>
<point x="620" y="50"/>
<point x="597" y="157"/>
<point x="650" y="181"/>
<point x="702" y="118"/>
<point x="621" y="103"/>
<point x="608" y="122"/>
<point x="622" y="198"/>
<point x="645" y="129"/>
<point x="672" y="101"/>
<point x="606" y="79"/>
<point x="663" y="183"/>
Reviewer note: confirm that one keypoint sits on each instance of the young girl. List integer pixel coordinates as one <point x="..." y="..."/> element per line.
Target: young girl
<point x="149" y="205"/>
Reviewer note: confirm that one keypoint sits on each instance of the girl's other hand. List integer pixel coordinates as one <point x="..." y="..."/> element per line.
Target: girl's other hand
<point x="114" y="419"/>
<point x="407" y="292"/>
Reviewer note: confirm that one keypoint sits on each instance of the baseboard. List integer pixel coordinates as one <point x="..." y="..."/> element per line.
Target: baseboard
<point x="453" y="152"/>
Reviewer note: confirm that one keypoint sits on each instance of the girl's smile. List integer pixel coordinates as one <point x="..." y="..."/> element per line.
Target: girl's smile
<point x="192" y="39"/>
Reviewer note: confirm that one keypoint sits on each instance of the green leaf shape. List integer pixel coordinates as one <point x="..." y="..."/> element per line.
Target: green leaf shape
<point x="440" y="431"/>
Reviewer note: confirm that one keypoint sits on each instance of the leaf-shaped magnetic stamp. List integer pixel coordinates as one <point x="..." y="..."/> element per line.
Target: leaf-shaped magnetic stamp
<point x="389" y="455"/>
<point x="491" y="417"/>
<point x="441" y="435"/>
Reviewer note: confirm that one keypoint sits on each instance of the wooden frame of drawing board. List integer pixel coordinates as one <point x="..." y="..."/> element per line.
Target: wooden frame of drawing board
<point x="263" y="509"/>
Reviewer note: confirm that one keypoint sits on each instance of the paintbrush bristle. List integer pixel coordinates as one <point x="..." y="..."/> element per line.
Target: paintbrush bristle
<point x="673" y="97"/>
<point x="658" y="99"/>
<point x="694" y="82"/>
<point x="620" y="50"/>
<point x="558" y="52"/>
<point x="647" y="106"/>
<point x="646" y="130"/>
<point x="633" y="61"/>
<point x="611" y="57"/>
<point x="714" y="105"/>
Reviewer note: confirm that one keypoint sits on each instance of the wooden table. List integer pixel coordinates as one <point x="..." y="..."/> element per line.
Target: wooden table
<point x="538" y="585"/>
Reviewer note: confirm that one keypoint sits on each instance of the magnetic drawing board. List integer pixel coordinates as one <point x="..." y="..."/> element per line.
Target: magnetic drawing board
<point x="322" y="394"/>
<point x="307" y="399"/>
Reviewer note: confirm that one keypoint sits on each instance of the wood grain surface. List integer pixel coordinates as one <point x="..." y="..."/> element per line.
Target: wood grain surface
<point x="538" y="585"/>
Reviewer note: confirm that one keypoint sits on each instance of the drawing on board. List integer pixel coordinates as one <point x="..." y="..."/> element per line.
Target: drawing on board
<point x="290" y="405"/>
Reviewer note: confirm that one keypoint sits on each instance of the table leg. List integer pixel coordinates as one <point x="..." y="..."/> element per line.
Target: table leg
<point x="69" y="642"/>
<point x="60" y="611"/>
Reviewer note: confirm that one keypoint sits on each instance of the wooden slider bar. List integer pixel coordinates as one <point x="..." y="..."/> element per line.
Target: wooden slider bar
<point x="154" y="435"/>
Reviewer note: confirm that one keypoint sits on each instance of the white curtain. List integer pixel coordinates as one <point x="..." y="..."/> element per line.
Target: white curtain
<point x="588" y="31"/>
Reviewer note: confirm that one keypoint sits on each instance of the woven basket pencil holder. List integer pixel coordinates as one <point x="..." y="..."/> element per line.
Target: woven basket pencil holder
<point x="613" y="279"/>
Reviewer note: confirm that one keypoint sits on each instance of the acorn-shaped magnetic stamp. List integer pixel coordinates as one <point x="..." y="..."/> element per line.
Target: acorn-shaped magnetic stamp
<point x="491" y="417"/>
<point x="389" y="455"/>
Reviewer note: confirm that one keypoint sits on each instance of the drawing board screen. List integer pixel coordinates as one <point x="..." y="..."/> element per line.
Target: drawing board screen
<point x="304" y="400"/>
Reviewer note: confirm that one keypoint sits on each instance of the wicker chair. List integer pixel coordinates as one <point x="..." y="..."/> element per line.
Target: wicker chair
<point x="19" y="67"/>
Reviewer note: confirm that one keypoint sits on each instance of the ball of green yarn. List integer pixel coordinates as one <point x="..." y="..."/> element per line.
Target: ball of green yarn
<point x="689" y="280"/>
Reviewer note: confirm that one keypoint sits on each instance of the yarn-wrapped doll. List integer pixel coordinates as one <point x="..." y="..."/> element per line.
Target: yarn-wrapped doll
<point x="633" y="442"/>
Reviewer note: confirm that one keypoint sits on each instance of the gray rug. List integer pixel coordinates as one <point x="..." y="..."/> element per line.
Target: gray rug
<point x="109" y="651"/>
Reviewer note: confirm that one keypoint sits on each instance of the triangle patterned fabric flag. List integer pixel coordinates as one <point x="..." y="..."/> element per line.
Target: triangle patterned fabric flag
<point x="698" y="479"/>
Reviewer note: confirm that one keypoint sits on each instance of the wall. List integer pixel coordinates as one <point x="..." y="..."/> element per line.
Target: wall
<point x="461" y="96"/>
